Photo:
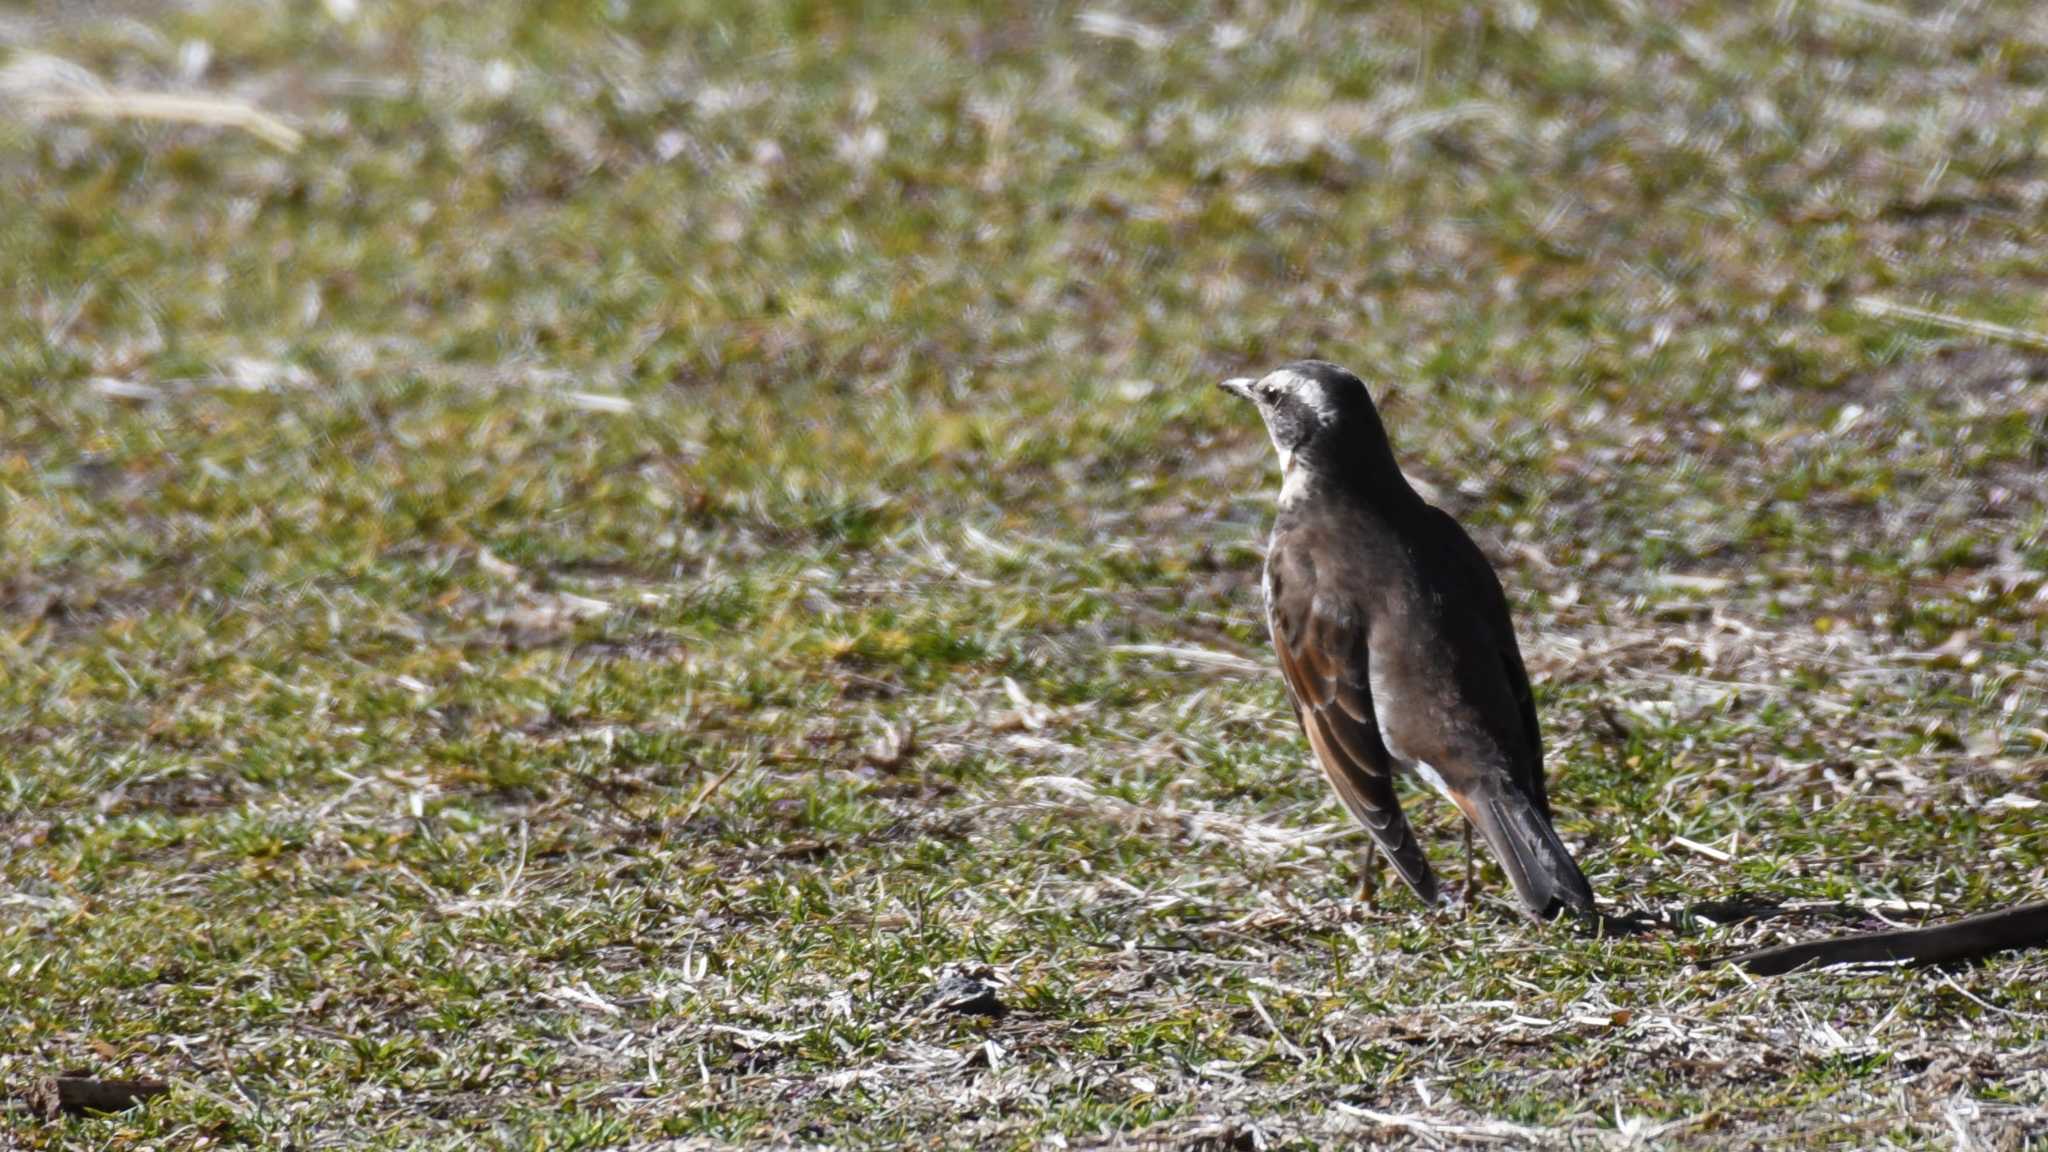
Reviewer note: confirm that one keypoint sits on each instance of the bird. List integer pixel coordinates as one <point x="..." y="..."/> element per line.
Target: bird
<point x="1396" y="644"/>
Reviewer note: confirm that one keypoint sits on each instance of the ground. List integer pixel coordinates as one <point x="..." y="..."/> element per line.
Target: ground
<point x="599" y="575"/>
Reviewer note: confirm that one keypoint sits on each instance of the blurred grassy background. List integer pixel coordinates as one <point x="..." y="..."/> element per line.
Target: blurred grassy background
<point x="549" y="598"/>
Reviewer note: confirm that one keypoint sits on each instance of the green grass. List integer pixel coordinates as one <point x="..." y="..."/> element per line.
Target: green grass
<point x="554" y="614"/>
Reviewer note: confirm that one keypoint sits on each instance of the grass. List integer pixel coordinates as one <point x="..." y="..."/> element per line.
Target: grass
<point x="558" y="612"/>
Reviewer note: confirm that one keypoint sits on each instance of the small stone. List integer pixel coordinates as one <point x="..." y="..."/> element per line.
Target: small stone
<point x="964" y="991"/>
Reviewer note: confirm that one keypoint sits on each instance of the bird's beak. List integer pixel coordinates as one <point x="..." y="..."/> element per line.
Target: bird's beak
<point x="1240" y="386"/>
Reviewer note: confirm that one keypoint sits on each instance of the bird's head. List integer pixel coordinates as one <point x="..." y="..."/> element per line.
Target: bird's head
<point x="1319" y="416"/>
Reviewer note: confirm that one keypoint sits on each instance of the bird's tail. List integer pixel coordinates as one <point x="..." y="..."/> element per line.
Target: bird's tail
<point x="1537" y="863"/>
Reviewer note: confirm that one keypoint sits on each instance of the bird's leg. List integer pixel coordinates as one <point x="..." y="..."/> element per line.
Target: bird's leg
<point x="1369" y="877"/>
<point x="1471" y="876"/>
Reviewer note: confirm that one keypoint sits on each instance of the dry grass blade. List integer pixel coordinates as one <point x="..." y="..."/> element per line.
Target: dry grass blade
<point x="45" y="86"/>
<point x="1255" y="836"/>
<point x="1883" y="309"/>
<point x="1480" y="1132"/>
<point x="1259" y="1006"/>
<point x="1200" y="657"/>
<point x="704" y="794"/>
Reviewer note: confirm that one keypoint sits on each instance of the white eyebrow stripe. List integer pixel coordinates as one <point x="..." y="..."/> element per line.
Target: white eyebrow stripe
<point x="1307" y="389"/>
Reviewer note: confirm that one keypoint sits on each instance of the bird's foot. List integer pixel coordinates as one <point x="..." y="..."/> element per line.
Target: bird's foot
<point x="1369" y="883"/>
<point x="1468" y="892"/>
<point x="1463" y="897"/>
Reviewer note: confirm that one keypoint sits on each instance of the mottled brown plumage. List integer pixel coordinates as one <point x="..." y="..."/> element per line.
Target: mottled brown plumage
<point x="1396" y="644"/>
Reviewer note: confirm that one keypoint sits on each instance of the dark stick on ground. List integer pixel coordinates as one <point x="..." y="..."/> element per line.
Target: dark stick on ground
<point x="1970" y="938"/>
<point x="78" y="1095"/>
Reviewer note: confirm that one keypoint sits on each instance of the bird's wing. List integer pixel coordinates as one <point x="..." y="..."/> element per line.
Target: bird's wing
<point x="1322" y="648"/>
<point x="1497" y="777"/>
<point x="1477" y="578"/>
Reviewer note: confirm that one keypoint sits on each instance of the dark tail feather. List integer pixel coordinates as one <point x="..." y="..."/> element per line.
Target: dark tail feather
<point x="1538" y="864"/>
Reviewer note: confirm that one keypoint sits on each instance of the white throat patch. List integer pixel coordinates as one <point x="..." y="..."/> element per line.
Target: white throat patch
<point x="1293" y="481"/>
